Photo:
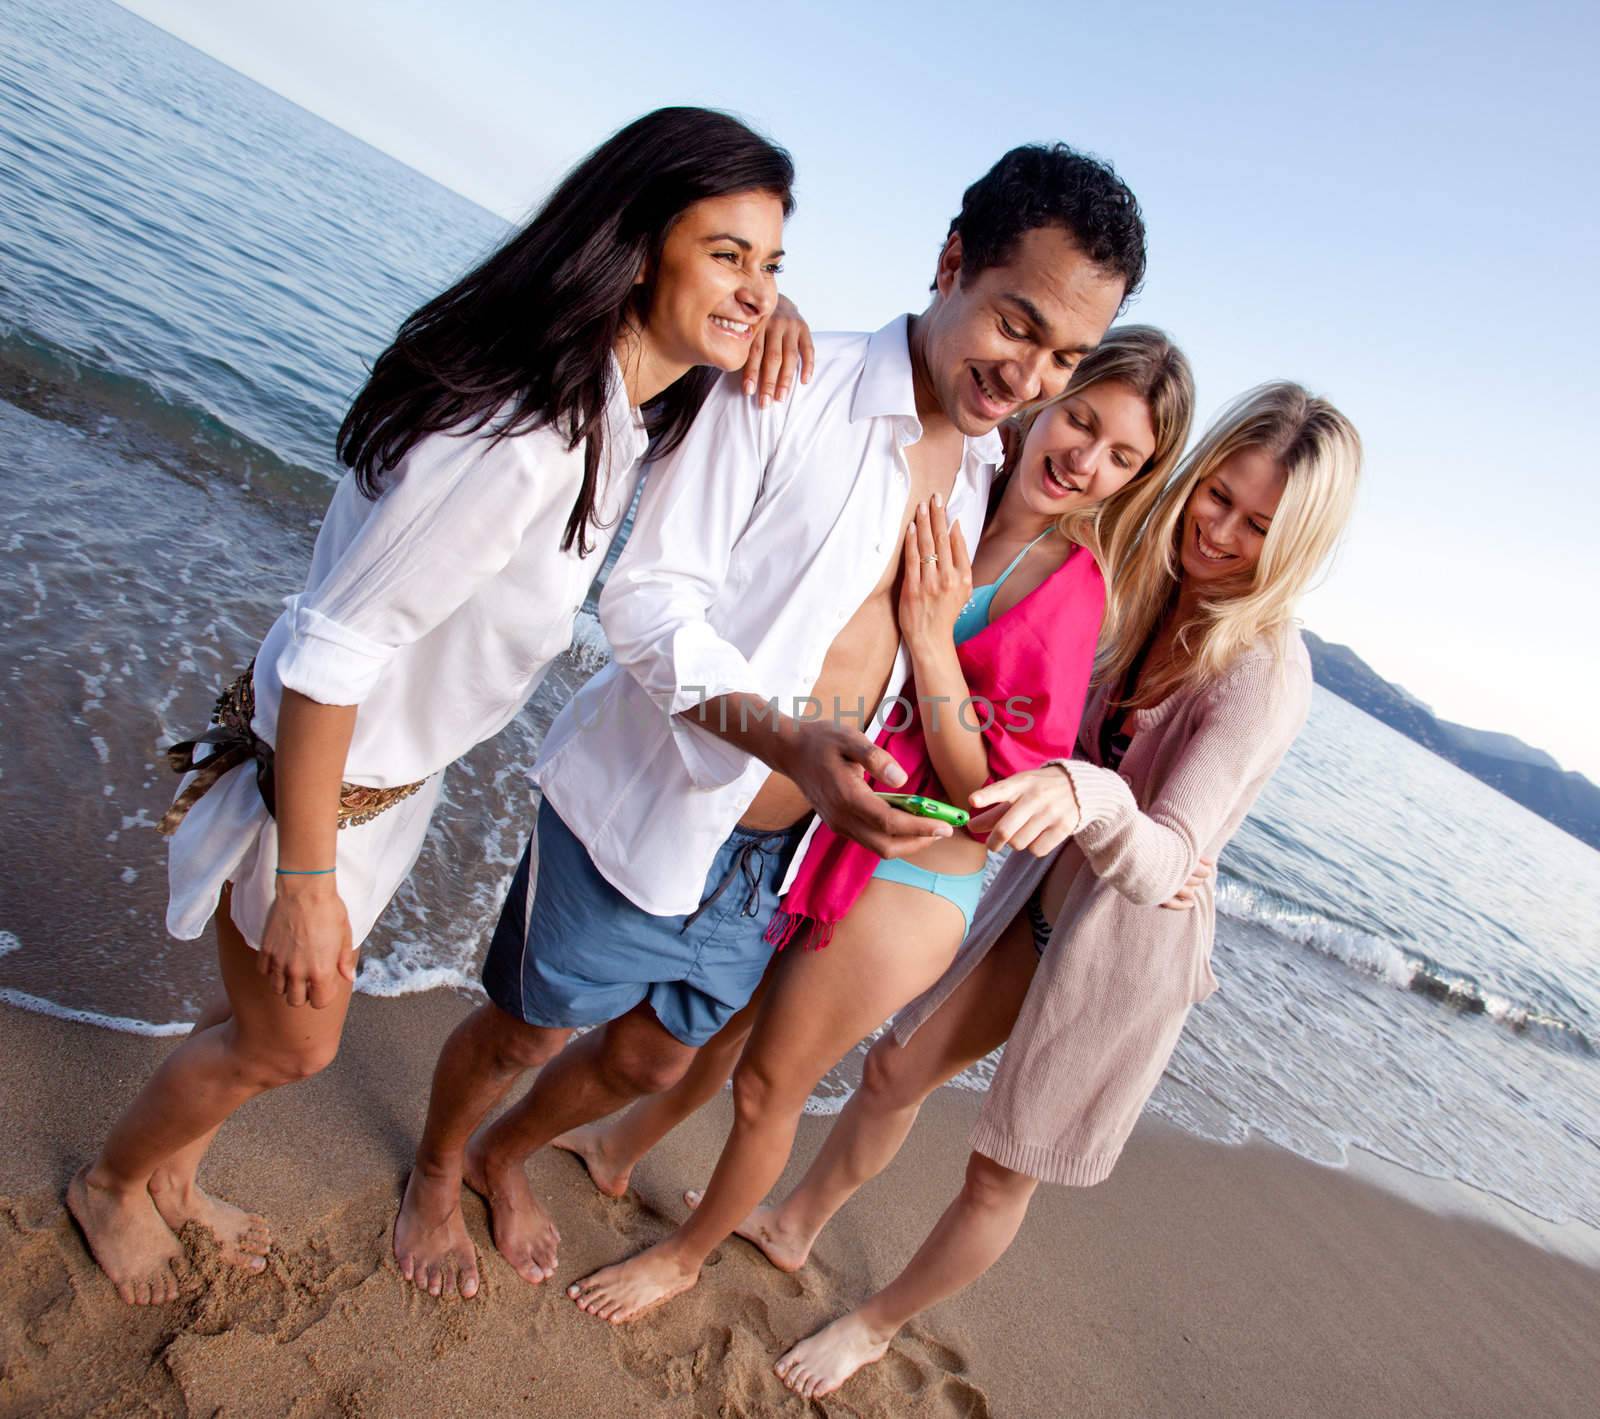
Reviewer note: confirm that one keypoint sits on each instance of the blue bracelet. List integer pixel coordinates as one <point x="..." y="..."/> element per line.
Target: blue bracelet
<point x="304" y="872"/>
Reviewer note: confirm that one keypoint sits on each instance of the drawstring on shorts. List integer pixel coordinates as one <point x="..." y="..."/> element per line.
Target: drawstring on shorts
<point x="751" y="861"/>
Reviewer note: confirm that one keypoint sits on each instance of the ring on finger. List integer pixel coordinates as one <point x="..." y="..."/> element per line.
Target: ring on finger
<point x="933" y="558"/>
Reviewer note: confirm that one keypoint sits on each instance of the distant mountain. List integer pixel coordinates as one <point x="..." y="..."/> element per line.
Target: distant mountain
<point x="1498" y="746"/>
<point x="1407" y="695"/>
<point x="1502" y="761"/>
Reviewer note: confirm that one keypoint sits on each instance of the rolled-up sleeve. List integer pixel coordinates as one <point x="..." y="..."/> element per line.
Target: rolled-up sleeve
<point x="327" y="661"/>
<point x="451" y="517"/>
<point x="655" y="609"/>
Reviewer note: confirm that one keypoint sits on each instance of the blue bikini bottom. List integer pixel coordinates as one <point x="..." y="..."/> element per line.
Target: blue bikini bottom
<point x="962" y="888"/>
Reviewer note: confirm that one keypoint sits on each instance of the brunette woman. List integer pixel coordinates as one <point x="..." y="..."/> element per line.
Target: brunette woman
<point x="492" y="454"/>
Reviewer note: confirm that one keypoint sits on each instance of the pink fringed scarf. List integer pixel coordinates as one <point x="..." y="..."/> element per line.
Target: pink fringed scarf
<point x="1036" y="659"/>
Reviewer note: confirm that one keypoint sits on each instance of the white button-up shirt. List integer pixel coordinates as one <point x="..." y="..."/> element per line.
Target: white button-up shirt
<point x="755" y="542"/>
<point x="439" y="607"/>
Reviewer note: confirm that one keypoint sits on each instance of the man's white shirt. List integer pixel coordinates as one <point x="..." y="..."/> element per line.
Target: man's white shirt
<point x="755" y="542"/>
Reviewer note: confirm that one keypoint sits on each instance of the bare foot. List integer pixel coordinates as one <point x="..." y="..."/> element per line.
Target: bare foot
<point x="523" y="1232"/>
<point x="430" y="1238"/>
<point x="763" y="1228"/>
<point x="630" y="1288"/>
<point x="821" y="1363"/>
<point x="589" y="1143"/>
<point x="242" y="1238"/>
<point x="134" y="1247"/>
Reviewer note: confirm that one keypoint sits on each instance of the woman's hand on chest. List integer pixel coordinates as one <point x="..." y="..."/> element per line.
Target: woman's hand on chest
<point x="936" y="578"/>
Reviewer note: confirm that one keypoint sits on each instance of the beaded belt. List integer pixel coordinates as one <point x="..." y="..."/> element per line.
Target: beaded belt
<point x="234" y="742"/>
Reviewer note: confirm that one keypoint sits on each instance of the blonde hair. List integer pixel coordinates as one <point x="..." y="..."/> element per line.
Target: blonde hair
<point x="1319" y="452"/>
<point x="1147" y="362"/>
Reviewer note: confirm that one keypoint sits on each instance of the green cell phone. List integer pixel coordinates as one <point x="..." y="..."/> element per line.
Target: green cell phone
<point x="927" y="808"/>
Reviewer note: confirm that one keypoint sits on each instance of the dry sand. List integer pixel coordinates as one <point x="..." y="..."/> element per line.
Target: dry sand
<point x="1201" y="1280"/>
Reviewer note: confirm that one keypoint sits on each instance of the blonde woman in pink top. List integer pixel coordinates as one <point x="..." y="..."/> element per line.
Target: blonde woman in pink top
<point x="1077" y="960"/>
<point x="1083" y="465"/>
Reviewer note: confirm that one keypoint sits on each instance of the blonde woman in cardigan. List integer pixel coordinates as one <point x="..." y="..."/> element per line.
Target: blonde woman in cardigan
<point x="1073" y="962"/>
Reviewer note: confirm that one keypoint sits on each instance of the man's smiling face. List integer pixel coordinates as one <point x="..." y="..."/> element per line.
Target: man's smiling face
<point x="1012" y="334"/>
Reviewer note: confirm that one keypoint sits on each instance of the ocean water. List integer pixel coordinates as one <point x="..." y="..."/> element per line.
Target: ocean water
<point x="194" y="274"/>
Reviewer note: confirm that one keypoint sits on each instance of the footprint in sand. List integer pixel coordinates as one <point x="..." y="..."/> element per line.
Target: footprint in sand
<point x="942" y="1356"/>
<point x="33" y="1277"/>
<point x="782" y="1284"/>
<point x="960" y="1400"/>
<point x="917" y="1377"/>
<point x="950" y="1395"/>
<point x="681" y="1350"/>
<point x="684" y="1372"/>
<point x="777" y="1283"/>
<point x="901" y="1372"/>
<point x="302" y="1283"/>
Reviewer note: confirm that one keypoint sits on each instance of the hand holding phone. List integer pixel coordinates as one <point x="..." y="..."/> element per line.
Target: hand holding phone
<point x="831" y="765"/>
<point x="927" y="808"/>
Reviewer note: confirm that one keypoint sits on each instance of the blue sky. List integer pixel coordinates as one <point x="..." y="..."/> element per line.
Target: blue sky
<point x="1395" y="205"/>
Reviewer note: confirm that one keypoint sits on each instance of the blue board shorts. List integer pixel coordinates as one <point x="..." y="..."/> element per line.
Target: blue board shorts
<point x="571" y="950"/>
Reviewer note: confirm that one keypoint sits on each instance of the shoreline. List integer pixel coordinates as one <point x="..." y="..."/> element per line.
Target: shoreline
<point x="1445" y="1196"/>
<point x="1452" y="1198"/>
<point x="1202" y="1278"/>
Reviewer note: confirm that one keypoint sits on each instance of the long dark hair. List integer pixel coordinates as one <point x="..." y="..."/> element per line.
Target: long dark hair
<point x="533" y="326"/>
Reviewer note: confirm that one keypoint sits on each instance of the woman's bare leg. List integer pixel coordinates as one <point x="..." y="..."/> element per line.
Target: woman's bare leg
<point x="262" y="1044"/>
<point x="243" y="1238"/>
<point x="895" y="942"/>
<point x="967" y="1240"/>
<point x="612" y="1147"/>
<point x="895" y="1081"/>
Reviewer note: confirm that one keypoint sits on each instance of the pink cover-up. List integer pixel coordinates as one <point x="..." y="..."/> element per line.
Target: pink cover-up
<point x="1028" y="671"/>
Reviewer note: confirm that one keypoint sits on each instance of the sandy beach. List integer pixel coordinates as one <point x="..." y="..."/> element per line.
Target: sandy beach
<point x="1202" y="1279"/>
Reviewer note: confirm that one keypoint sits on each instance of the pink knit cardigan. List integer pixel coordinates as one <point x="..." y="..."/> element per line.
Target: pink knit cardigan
<point x="1041" y="650"/>
<point x="1112" y="992"/>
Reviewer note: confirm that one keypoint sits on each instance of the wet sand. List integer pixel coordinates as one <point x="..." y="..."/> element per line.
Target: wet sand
<point x="1201" y="1279"/>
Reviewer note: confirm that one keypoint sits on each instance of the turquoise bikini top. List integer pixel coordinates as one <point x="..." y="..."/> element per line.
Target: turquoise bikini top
<point x="975" y="614"/>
